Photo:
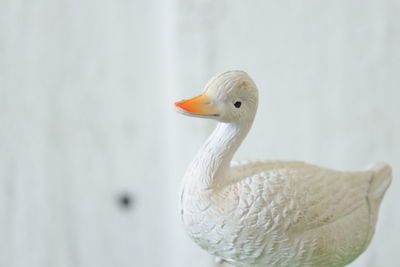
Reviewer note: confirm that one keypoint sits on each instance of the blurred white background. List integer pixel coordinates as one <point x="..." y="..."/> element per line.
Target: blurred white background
<point x="92" y="152"/>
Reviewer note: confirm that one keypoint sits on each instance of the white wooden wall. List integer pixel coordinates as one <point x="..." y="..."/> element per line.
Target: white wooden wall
<point x="85" y="115"/>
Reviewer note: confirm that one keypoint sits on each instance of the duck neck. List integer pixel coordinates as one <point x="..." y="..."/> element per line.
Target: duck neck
<point x="211" y="167"/>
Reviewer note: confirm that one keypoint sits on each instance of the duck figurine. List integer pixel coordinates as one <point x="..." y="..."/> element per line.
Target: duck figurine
<point x="271" y="213"/>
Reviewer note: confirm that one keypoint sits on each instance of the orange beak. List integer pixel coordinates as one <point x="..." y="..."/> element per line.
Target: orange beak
<point x="200" y="105"/>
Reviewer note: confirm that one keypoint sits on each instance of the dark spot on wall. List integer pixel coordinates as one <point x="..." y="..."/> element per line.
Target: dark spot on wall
<point x="125" y="201"/>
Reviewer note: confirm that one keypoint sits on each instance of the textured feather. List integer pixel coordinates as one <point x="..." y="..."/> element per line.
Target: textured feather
<point x="286" y="214"/>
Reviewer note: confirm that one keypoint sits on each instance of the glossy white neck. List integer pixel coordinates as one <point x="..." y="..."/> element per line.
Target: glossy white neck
<point x="211" y="166"/>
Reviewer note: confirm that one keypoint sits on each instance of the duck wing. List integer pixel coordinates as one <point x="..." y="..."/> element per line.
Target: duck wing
<point x="303" y="196"/>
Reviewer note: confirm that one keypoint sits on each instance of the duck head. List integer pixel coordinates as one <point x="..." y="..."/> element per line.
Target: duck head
<point x="228" y="97"/>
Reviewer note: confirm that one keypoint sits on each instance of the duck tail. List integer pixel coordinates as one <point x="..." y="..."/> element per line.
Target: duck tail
<point x="380" y="181"/>
<point x="382" y="177"/>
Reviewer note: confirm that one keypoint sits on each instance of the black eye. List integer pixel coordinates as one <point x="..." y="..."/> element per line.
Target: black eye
<point x="237" y="104"/>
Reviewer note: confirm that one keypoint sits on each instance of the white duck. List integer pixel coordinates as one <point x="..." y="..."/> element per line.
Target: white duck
<point x="271" y="213"/>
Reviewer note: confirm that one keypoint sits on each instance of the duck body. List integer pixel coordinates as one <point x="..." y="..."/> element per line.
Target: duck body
<point x="285" y="214"/>
<point x="273" y="213"/>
